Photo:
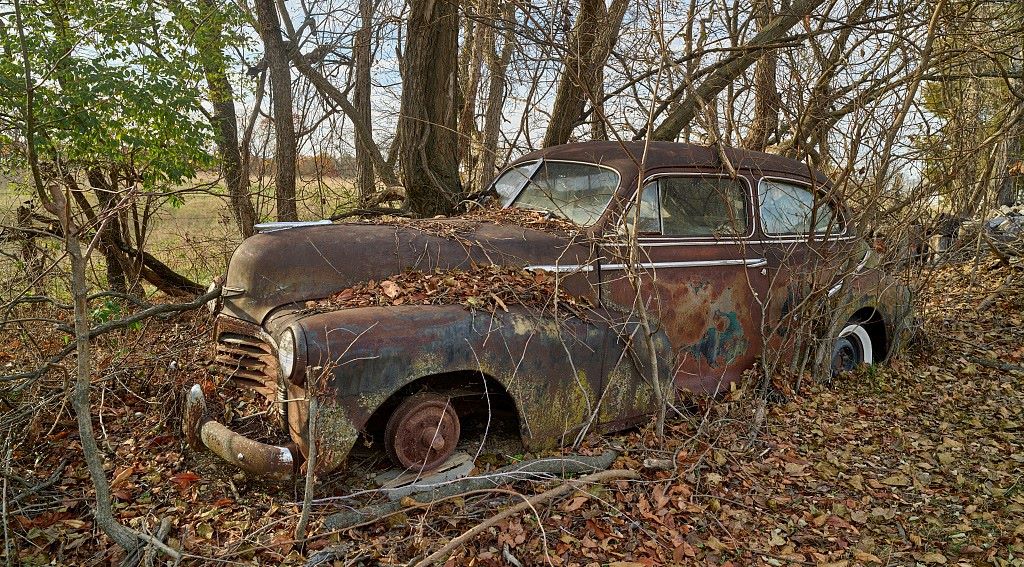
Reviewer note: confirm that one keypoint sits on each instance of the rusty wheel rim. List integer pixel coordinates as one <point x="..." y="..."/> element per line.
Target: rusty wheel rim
<point x="422" y="432"/>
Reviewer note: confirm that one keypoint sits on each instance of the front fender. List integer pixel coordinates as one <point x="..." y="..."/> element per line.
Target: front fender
<point x="553" y="368"/>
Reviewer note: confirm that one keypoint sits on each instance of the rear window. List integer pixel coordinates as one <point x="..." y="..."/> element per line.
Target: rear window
<point x="787" y="208"/>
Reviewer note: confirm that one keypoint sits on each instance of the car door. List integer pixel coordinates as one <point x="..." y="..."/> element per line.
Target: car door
<point x="699" y="274"/>
<point x="807" y="245"/>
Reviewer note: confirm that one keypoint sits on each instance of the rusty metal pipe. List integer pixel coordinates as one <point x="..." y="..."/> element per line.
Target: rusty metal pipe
<point x="270" y="461"/>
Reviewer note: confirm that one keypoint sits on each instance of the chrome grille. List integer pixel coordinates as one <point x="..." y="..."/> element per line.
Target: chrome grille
<point x="248" y="361"/>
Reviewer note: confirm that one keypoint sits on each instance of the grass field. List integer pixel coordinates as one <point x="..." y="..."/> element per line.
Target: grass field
<point x="195" y="235"/>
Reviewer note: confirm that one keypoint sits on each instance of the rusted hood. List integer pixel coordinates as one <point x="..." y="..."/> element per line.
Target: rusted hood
<point x="289" y="267"/>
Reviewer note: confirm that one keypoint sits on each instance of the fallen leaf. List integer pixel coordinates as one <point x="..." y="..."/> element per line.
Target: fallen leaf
<point x="931" y="557"/>
<point x="184" y="479"/>
<point x="866" y="557"/>
<point x="121" y="477"/>
<point x="390" y="289"/>
<point x="896" y="480"/>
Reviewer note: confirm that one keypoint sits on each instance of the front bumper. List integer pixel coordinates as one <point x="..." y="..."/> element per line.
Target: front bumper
<point x="272" y="461"/>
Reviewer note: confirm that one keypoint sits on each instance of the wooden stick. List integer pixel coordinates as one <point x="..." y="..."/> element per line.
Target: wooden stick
<point x="531" y="502"/>
<point x="307" y="500"/>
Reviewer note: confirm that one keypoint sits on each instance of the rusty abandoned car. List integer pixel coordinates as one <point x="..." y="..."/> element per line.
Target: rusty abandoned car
<point x="716" y="250"/>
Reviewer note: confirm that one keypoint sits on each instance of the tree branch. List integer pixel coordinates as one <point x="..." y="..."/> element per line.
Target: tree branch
<point x="529" y="503"/>
<point x="105" y="328"/>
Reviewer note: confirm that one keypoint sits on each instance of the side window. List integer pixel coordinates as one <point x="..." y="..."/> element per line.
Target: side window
<point x="693" y="206"/>
<point x="790" y="209"/>
<point x="649" y="219"/>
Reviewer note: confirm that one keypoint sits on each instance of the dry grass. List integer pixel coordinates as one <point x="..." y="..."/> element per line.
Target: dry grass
<point x="196" y="235"/>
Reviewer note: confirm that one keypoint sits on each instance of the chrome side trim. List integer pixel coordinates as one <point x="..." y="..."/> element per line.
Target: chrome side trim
<point x="730" y="242"/>
<point x="839" y="285"/>
<point x="748" y="262"/>
<point x="276" y="226"/>
<point x="562" y="268"/>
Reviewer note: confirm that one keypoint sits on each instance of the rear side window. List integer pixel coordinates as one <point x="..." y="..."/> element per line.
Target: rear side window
<point x="787" y="208"/>
<point x="693" y="206"/>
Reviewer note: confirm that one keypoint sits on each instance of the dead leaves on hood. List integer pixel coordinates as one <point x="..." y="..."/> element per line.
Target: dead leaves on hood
<point x="490" y="287"/>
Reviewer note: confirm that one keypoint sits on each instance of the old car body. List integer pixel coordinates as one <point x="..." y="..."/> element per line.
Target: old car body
<point x="720" y="250"/>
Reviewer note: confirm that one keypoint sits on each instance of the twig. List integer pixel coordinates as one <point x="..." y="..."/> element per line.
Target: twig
<point x="531" y="502"/>
<point x="307" y="498"/>
<point x="562" y="466"/>
<point x="372" y="212"/>
<point x="7" y="472"/>
<point x="68" y="307"/>
<point x="57" y="474"/>
<point x="1003" y="258"/>
<point x="108" y="327"/>
<point x="168" y="550"/>
<point x="1005" y="367"/>
<point x="988" y="301"/>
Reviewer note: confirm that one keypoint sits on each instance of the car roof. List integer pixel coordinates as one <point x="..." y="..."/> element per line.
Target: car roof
<point x="627" y="156"/>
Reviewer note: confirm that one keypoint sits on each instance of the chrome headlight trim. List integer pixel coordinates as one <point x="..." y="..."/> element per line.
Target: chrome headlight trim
<point x="286" y="353"/>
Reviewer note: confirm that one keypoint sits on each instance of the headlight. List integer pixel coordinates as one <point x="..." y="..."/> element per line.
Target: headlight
<point x="286" y="353"/>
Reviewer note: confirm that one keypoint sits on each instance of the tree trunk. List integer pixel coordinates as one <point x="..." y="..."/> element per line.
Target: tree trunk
<point x="726" y="73"/>
<point x="590" y="44"/>
<point x="80" y="397"/>
<point x="109" y="230"/>
<point x="767" y="101"/>
<point x="361" y="101"/>
<point x="428" y="143"/>
<point x="224" y="120"/>
<point x="276" y="54"/>
<point x="474" y="37"/>
<point x="497" y="69"/>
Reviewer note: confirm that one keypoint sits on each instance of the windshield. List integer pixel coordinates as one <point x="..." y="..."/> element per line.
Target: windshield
<point x="579" y="192"/>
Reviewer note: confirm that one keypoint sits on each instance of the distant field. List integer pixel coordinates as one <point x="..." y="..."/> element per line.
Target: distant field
<point x="197" y="236"/>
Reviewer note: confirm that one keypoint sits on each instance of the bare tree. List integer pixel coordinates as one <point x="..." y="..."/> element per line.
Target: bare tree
<point x="724" y="74"/>
<point x="361" y="99"/>
<point x="276" y="56"/>
<point x="590" y="43"/>
<point x="766" y="91"/>
<point x="428" y="142"/>
<point x="497" y="62"/>
<point x="224" y="120"/>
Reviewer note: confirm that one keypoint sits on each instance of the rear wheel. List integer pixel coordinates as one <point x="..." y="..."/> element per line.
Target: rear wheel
<point x="852" y="349"/>
<point x="422" y="432"/>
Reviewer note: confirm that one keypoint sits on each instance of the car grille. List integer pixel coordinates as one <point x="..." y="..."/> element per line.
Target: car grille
<point x="245" y="358"/>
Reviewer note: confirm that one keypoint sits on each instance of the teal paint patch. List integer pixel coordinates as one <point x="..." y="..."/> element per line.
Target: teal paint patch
<point x="722" y="346"/>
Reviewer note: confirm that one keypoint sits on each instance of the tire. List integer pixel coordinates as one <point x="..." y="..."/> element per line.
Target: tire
<point x="422" y="432"/>
<point x="851" y="349"/>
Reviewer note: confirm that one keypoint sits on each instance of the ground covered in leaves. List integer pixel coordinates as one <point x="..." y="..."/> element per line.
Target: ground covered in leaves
<point x="916" y="463"/>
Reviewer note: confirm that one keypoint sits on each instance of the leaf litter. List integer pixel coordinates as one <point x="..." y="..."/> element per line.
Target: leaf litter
<point x="920" y="462"/>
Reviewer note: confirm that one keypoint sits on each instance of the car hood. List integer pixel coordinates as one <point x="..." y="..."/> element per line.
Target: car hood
<point x="289" y="267"/>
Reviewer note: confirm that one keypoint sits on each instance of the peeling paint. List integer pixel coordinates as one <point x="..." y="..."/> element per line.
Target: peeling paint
<point x="723" y="342"/>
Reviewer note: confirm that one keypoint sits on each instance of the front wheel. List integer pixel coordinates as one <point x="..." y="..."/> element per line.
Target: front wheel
<point x="422" y="432"/>
<point x="851" y="349"/>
